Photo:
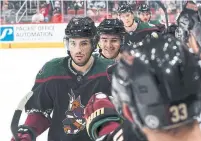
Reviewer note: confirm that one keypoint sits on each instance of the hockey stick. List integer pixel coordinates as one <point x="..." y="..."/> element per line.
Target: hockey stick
<point x="164" y="10"/>
<point x="17" y="115"/>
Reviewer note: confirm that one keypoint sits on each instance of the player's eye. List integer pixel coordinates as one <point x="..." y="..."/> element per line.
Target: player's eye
<point x="72" y="44"/>
<point x="84" y="44"/>
<point x="127" y="15"/>
<point x="104" y="40"/>
<point x="114" y="40"/>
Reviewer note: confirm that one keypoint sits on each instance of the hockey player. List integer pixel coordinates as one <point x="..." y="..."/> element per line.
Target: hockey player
<point x="131" y="26"/>
<point x="111" y="36"/>
<point x="126" y="15"/>
<point x="64" y="85"/>
<point x="144" y="14"/>
<point x="134" y="29"/>
<point x="159" y="94"/>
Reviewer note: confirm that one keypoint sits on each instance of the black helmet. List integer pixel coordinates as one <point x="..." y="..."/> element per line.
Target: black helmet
<point x="80" y="27"/>
<point x="124" y="8"/>
<point x="144" y="8"/>
<point x="111" y="26"/>
<point x="162" y="86"/>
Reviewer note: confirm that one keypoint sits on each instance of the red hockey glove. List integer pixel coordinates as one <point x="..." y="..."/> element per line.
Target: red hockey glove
<point x="23" y="137"/>
<point x="101" y="116"/>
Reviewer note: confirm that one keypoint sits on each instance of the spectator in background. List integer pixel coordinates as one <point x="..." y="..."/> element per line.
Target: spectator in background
<point x="2" y="20"/>
<point x="160" y="15"/>
<point x="5" y="6"/>
<point x="8" y="13"/>
<point x="45" y="11"/>
<point x="57" y="16"/>
<point x="1" y="5"/>
<point x="57" y="4"/>
<point x="38" y="17"/>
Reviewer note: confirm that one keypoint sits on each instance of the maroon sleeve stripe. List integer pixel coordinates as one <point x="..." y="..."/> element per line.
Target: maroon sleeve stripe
<point x="68" y="77"/>
<point x="51" y="78"/>
<point x="97" y="75"/>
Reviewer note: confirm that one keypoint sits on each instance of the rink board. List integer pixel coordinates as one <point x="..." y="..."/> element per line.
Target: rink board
<point x="32" y="45"/>
<point x="32" y="35"/>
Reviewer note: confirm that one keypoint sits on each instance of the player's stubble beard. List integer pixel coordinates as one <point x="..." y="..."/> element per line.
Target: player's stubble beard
<point x="85" y="62"/>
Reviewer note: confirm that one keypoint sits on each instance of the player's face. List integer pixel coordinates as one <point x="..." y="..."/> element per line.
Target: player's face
<point x="110" y="45"/>
<point x="80" y="50"/>
<point x="145" y="16"/>
<point x="127" y="18"/>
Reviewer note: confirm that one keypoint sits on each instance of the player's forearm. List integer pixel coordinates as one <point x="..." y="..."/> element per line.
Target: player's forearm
<point x="37" y="122"/>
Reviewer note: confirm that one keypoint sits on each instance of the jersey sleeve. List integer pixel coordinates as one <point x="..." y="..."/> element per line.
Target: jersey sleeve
<point x="42" y="99"/>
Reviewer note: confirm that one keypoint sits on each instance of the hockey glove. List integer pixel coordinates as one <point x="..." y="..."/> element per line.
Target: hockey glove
<point x="99" y="113"/>
<point x="25" y="133"/>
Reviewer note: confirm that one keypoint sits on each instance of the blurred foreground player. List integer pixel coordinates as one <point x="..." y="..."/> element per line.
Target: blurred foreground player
<point x="64" y="85"/>
<point x="189" y="27"/>
<point x="159" y="92"/>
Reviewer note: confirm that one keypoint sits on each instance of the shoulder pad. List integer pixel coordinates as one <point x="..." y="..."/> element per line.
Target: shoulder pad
<point x="51" y="68"/>
<point x="101" y="65"/>
<point x="104" y="63"/>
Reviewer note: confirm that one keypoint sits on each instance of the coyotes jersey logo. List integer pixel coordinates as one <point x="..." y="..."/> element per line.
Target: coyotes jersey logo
<point x="74" y="121"/>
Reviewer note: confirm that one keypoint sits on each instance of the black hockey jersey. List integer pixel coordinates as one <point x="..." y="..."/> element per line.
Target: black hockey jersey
<point x="62" y="92"/>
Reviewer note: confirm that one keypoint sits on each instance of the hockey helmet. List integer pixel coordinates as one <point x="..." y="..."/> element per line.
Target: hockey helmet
<point x="124" y="8"/>
<point x="80" y="27"/>
<point x="162" y="87"/>
<point x="111" y="26"/>
<point x="144" y="8"/>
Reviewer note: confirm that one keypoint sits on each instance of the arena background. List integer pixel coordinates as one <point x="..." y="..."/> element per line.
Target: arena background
<point x="26" y="44"/>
